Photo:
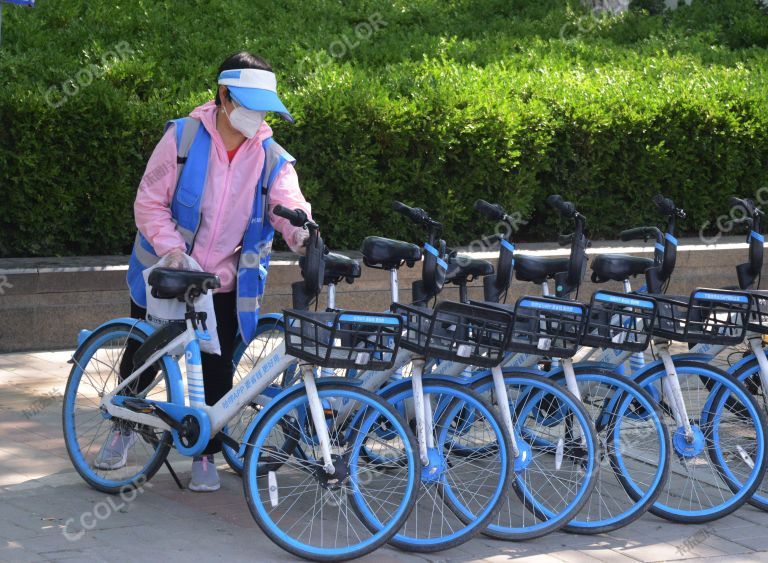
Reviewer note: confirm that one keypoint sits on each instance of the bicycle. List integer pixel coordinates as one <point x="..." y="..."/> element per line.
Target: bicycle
<point x="713" y="471"/>
<point x="634" y="448"/>
<point x="331" y="505"/>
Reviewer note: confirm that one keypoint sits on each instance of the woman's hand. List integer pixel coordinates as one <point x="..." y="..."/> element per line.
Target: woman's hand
<point x="176" y="260"/>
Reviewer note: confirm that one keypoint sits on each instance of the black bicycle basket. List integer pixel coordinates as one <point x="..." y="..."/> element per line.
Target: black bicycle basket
<point x="345" y="339"/>
<point x="710" y="316"/>
<point x="547" y="326"/>
<point x="619" y="321"/>
<point x="468" y="334"/>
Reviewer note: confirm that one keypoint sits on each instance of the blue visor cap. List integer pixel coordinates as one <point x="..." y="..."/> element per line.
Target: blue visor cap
<point x="255" y="89"/>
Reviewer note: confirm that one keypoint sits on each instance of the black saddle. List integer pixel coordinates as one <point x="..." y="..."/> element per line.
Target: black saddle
<point x="464" y="268"/>
<point x="168" y="283"/>
<point x="538" y="269"/>
<point x="337" y="267"/>
<point x="618" y="267"/>
<point x="388" y="254"/>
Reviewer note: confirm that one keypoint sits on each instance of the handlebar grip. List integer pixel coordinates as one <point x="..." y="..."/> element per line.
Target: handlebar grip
<point x="415" y="214"/>
<point x="664" y="205"/>
<point x="566" y="208"/>
<point x="493" y="211"/>
<point x="296" y="217"/>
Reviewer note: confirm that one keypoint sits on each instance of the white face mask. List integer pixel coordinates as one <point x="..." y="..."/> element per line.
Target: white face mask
<point x="247" y="121"/>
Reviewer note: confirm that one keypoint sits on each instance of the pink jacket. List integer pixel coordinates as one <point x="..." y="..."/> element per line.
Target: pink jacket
<point x="227" y="199"/>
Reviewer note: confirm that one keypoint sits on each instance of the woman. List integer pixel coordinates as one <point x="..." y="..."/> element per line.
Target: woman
<point x="205" y="192"/>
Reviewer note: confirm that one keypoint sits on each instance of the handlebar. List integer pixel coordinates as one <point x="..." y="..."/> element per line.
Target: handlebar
<point x="313" y="268"/>
<point x="296" y="217"/>
<point x="493" y="211"/>
<point x="565" y="208"/>
<point x="643" y="233"/>
<point x="749" y="206"/>
<point x="666" y="207"/>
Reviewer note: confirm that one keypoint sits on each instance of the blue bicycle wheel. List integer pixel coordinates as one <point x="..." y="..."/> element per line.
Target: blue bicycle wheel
<point x="460" y="494"/>
<point x="330" y="517"/>
<point x="634" y="450"/>
<point x="720" y="468"/>
<point x="555" y="469"/>
<point x="89" y="432"/>
<point x="749" y="375"/>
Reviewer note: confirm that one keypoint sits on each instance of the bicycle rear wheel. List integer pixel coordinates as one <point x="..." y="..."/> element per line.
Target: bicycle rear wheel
<point x="88" y="429"/>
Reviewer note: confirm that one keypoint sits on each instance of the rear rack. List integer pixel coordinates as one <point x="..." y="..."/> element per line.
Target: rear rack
<point x="467" y="334"/>
<point x="345" y="339"/>
<point x="709" y="316"/>
<point x="619" y="321"/>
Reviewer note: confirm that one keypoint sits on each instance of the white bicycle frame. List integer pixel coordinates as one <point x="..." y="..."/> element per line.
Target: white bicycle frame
<point x="245" y="392"/>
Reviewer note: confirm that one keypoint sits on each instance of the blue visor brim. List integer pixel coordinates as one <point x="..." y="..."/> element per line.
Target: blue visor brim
<point x="260" y="100"/>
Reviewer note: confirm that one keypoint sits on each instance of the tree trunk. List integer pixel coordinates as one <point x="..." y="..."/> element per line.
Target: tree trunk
<point x="611" y="6"/>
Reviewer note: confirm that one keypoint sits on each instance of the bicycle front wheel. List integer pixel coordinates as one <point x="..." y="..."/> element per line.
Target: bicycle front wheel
<point x="555" y="469"/>
<point x="469" y="471"/>
<point x="633" y="455"/>
<point x="331" y="517"/>
<point x="721" y="465"/>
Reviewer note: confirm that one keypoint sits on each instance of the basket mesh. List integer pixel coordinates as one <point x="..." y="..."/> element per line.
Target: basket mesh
<point x="346" y="339"/>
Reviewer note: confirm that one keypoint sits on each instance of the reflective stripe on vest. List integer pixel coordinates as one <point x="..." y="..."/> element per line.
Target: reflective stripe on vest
<point x="253" y="264"/>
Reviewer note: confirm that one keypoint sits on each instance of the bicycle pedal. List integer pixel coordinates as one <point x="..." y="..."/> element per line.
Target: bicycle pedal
<point x="139" y="405"/>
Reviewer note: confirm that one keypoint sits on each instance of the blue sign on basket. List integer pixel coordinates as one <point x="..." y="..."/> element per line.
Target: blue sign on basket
<point x="629" y="301"/>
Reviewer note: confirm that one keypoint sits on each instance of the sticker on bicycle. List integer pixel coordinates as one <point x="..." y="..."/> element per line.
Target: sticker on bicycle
<point x="628" y="301"/>
<point x="712" y="296"/>
<point x="546" y="306"/>
<point x="366" y="319"/>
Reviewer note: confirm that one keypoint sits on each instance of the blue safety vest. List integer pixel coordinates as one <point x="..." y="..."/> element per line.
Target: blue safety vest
<point x="193" y="144"/>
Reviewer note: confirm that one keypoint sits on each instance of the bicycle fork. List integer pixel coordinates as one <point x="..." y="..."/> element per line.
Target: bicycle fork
<point x="423" y="412"/>
<point x="671" y="386"/>
<point x="318" y="417"/>
<point x="502" y="397"/>
<point x="756" y="345"/>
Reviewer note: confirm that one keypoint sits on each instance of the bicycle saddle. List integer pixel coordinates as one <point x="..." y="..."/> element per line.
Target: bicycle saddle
<point x="337" y="267"/>
<point x="168" y="283"/>
<point x="618" y="267"/>
<point x="538" y="269"/>
<point x="388" y="254"/>
<point x="460" y="268"/>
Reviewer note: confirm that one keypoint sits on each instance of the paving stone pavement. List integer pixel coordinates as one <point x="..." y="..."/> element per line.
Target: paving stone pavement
<point x="42" y="503"/>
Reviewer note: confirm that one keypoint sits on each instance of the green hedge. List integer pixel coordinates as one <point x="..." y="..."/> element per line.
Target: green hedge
<point x="446" y="102"/>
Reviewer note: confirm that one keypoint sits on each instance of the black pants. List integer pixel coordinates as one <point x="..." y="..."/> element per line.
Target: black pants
<point x="218" y="371"/>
